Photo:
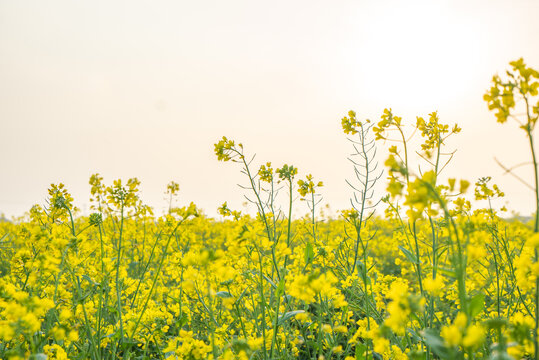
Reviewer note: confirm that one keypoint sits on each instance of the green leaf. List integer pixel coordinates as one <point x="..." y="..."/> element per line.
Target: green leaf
<point x="183" y="320"/>
<point x="497" y="323"/>
<point x="436" y="343"/>
<point x="270" y="281"/>
<point x="240" y="345"/>
<point x="87" y="278"/>
<point x="447" y="272"/>
<point x="417" y="355"/>
<point x="411" y="257"/>
<point x="223" y="294"/>
<point x="288" y="315"/>
<point x="360" y="267"/>
<point x="309" y="253"/>
<point x="39" y="356"/>
<point x="360" y="351"/>
<point x="280" y="288"/>
<point x="477" y="304"/>
<point x="242" y="295"/>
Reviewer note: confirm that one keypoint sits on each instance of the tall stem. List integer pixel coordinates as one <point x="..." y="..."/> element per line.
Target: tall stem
<point x="118" y="290"/>
<point x="530" y="137"/>
<point x="535" y="229"/>
<point x="529" y="127"/>
<point x="363" y="198"/>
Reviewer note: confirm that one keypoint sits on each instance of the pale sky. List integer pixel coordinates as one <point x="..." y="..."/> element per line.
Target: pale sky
<point x="145" y="88"/>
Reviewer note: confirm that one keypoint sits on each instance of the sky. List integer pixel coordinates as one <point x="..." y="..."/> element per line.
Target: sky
<point x="145" y="88"/>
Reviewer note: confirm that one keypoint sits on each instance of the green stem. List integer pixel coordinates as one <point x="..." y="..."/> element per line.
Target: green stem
<point x="262" y="301"/>
<point x="118" y="290"/>
<point x="535" y="230"/>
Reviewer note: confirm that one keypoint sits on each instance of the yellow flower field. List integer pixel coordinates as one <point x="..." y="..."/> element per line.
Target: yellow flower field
<point x="432" y="277"/>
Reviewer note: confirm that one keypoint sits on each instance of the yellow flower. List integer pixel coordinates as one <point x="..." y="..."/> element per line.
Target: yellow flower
<point x="255" y="343"/>
<point x="533" y="241"/>
<point x="451" y="334"/>
<point x="398" y="308"/>
<point x="302" y="317"/>
<point x="341" y="329"/>
<point x="55" y="352"/>
<point x="475" y="335"/>
<point x="461" y="320"/>
<point x="434" y="286"/>
<point x="326" y="328"/>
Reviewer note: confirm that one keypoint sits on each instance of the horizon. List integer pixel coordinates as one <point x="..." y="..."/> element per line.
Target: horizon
<point x="145" y="90"/>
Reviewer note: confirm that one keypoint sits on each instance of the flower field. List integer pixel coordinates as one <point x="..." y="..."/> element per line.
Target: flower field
<point x="429" y="276"/>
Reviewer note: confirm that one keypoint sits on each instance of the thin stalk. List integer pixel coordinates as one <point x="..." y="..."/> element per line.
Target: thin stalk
<point x="363" y="198"/>
<point x="535" y="230"/>
<point x="262" y="301"/>
<point x="529" y="129"/>
<point x="290" y="200"/>
<point x="313" y="219"/>
<point x="118" y="290"/>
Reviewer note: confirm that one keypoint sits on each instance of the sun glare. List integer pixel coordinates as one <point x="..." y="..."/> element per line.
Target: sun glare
<point x="419" y="61"/>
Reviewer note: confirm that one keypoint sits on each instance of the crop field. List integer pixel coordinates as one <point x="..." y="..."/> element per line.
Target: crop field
<point x="417" y="271"/>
